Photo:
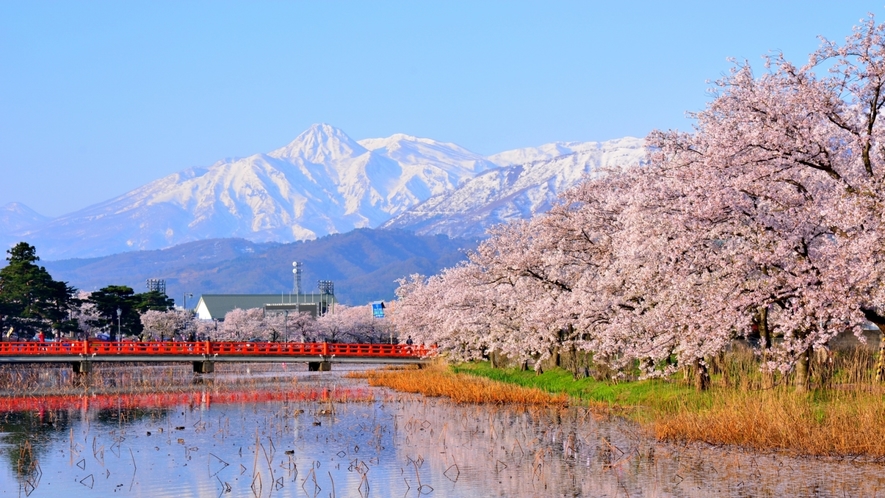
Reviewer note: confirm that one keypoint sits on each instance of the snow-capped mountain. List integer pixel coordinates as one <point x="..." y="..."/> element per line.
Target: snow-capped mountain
<point x="517" y="190"/>
<point x="16" y="216"/>
<point x="322" y="182"/>
<point x="541" y="153"/>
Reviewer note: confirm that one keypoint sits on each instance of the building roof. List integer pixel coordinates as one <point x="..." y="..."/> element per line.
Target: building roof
<point x="215" y="306"/>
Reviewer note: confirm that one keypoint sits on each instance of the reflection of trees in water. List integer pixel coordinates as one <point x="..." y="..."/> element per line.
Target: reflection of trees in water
<point x="27" y="435"/>
<point x="27" y="378"/>
<point x="130" y="415"/>
<point x="26" y="440"/>
<point x="572" y="452"/>
<point x="516" y="451"/>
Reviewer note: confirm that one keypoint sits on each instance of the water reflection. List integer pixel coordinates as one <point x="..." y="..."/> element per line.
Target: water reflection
<point x="308" y="434"/>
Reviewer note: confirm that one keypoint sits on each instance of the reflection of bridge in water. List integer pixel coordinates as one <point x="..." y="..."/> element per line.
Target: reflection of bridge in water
<point x="204" y="399"/>
<point x="204" y="354"/>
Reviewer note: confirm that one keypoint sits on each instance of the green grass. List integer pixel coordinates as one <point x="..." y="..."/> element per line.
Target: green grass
<point x="641" y="398"/>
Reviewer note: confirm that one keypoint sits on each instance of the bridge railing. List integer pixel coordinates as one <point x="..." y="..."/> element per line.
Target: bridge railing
<point x="267" y="348"/>
<point x="129" y="348"/>
<point x="42" y="348"/>
<point x="396" y="350"/>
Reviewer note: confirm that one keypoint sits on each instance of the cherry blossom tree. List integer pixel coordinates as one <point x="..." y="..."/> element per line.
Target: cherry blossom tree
<point x="444" y="310"/>
<point x="242" y="325"/>
<point x="207" y="329"/>
<point x="352" y="324"/>
<point x="796" y="154"/>
<point x="302" y="327"/>
<point x="162" y="325"/>
<point x="86" y="315"/>
<point x="768" y="217"/>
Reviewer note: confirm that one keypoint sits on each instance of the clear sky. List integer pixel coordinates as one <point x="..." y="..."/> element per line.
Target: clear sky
<point x="97" y="98"/>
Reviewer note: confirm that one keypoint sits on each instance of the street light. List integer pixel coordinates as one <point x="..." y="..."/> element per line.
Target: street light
<point x="184" y="306"/>
<point x="119" y="337"/>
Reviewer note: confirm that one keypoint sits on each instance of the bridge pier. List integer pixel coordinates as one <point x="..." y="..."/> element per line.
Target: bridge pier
<point x="82" y="367"/>
<point x="204" y="367"/>
<point x="319" y="366"/>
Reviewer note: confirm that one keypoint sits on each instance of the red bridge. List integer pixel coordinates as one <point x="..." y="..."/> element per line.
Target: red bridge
<point x="318" y="356"/>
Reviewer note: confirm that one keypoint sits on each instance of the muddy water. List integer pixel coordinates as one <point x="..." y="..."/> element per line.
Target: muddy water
<point x="267" y="432"/>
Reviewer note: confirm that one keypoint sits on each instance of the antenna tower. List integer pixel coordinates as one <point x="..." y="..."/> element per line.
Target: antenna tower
<point x="296" y="271"/>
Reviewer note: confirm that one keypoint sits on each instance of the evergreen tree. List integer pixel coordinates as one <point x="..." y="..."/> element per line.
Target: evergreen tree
<point x="30" y="300"/>
<point x="154" y="300"/>
<point x="107" y="301"/>
<point x="131" y="305"/>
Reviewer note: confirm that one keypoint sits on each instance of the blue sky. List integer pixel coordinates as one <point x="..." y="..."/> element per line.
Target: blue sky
<point x="97" y="98"/>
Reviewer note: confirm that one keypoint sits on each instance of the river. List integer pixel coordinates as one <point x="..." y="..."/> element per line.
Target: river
<point x="271" y="430"/>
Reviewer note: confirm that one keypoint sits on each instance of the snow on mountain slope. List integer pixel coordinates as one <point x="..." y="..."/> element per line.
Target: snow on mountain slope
<point x="422" y="152"/>
<point x="322" y="182"/>
<point x="542" y="153"/>
<point x="16" y="216"/>
<point x="515" y="191"/>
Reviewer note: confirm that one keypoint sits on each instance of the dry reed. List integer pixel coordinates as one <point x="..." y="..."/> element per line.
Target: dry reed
<point x="460" y="388"/>
<point x="841" y="415"/>
<point x="848" y="424"/>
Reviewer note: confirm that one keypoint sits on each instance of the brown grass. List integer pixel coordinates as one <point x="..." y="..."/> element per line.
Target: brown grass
<point x="460" y="388"/>
<point x="850" y="423"/>
<point x="842" y="414"/>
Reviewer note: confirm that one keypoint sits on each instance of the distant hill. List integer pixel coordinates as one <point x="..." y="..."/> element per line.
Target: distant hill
<point x="363" y="264"/>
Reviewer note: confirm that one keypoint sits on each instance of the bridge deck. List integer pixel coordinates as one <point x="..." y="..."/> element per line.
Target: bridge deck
<point x="93" y="351"/>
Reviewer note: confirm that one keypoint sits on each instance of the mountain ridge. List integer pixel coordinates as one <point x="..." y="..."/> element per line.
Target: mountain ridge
<point x="363" y="264"/>
<point x="322" y="182"/>
<point x="516" y="191"/>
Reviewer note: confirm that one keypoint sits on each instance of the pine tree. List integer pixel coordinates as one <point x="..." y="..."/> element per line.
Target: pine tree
<point x="30" y="300"/>
<point x="121" y="297"/>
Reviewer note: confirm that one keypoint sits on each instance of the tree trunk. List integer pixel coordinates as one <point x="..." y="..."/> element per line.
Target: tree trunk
<point x="880" y="362"/>
<point x="701" y="376"/>
<point x="765" y="339"/>
<point x="802" y="370"/>
<point x="571" y="360"/>
<point x="764" y="333"/>
<point x="648" y="365"/>
<point x="873" y="315"/>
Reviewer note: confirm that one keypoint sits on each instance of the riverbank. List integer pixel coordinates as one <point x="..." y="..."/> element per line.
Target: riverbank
<point x="834" y="419"/>
<point x="438" y="380"/>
